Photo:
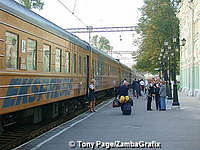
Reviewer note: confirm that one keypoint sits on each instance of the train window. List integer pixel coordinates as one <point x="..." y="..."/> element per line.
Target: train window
<point x="46" y="58"/>
<point x="98" y="68"/>
<point x="95" y="67"/>
<point x="101" y="71"/>
<point x="80" y="64"/>
<point x="67" y="62"/>
<point x="85" y="65"/>
<point x="108" y="69"/>
<point x="11" y="50"/>
<point x="31" y="54"/>
<point x="74" y="63"/>
<point x="58" y="60"/>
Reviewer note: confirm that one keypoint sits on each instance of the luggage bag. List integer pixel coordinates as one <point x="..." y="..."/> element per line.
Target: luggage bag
<point x="126" y="108"/>
<point x="116" y="103"/>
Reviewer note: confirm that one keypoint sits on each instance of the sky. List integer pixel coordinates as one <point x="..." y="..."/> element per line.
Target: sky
<point x="98" y="13"/>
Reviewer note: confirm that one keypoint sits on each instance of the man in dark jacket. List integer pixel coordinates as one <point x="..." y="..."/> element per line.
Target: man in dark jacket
<point x="136" y="88"/>
<point x="151" y="91"/>
<point x="123" y="91"/>
<point x="157" y="95"/>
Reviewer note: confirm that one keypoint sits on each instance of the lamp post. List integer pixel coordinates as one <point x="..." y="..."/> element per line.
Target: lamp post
<point x="175" y="91"/>
<point x="167" y="52"/>
<point x="170" y="87"/>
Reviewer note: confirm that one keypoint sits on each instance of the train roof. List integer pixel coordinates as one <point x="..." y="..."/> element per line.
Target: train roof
<point x="29" y="16"/>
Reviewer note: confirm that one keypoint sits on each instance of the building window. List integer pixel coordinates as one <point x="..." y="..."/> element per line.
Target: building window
<point x="67" y="62"/>
<point x="46" y="58"/>
<point x="74" y="63"/>
<point x="58" y="60"/>
<point x="80" y="64"/>
<point x="31" y="54"/>
<point x="11" y="50"/>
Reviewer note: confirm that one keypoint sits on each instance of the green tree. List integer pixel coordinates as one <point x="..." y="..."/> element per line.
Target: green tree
<point x="157" y="24"/>
<point x="32" y="4"/>
<point x="101" y="43"/>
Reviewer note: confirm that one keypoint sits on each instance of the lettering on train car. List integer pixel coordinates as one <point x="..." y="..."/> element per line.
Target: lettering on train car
<point x="52" y="88"/>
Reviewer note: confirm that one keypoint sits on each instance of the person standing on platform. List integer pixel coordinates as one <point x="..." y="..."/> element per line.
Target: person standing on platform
<point x="123" y="91"/>
<point x="135" y="87"/>
<point x="150" y="96"/>
<point x="163" y="94"/>
<point x="142" y="87"/>
<point x="157" y="95"/>
<point x="91" y="95"/>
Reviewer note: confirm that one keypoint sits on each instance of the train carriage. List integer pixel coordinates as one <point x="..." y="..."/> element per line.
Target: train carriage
<point x="105" y="70"/>
<point x="40" y="63"/>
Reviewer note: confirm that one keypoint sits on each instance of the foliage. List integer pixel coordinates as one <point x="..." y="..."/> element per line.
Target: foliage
<point x="32" y="4"/>
<point x="158" y="23"/>
<point x="101" y="43"/>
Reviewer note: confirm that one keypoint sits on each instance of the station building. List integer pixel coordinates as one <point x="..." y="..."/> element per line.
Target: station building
<point x="189" y="16"/>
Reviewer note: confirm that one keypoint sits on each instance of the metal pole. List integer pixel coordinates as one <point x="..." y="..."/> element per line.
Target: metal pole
<point x="170" y="87"/>
<point x="89" y="28"/>
<point x="175" y="91"/>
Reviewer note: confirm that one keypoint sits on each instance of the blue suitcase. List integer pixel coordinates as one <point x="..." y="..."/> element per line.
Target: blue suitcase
<point x="162" y="103"/>
<point x="126" y="108"/>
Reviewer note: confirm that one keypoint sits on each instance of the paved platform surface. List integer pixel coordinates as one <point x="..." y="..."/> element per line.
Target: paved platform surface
<point x="175" y="129"/>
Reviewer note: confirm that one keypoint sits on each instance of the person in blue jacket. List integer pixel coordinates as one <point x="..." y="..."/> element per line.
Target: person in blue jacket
<point x="163" y="94"/>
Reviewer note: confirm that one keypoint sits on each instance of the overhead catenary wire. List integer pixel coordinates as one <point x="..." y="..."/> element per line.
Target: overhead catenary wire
<point x="72" y="12"/>
<point x="74" y="6"/>
<point x="102" y="29"/>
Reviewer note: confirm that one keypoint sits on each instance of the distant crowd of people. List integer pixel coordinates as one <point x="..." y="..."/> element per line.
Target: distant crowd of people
<point x="156" y="90"/>
<point x="152" y="89"/>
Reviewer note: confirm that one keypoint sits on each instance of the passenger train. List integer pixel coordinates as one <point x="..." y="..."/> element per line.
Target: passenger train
<point x="42" y="66"/>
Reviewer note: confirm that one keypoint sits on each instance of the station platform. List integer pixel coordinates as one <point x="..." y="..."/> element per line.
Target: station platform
<point x="173" y="129"/>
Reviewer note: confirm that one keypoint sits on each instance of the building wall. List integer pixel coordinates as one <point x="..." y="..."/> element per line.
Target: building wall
<point x="189" y="16"/>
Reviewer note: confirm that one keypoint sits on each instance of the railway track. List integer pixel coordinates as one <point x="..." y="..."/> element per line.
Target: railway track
<point x="16" y="135"/>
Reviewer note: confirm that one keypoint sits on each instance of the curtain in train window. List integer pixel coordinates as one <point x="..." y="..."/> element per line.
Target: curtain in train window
<point x="31" y="54"/>
<point x="11" y="50"/>
<point x="46" y="58"/>
<point x="67" y="62"/>
<point x="58" y="60"/>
